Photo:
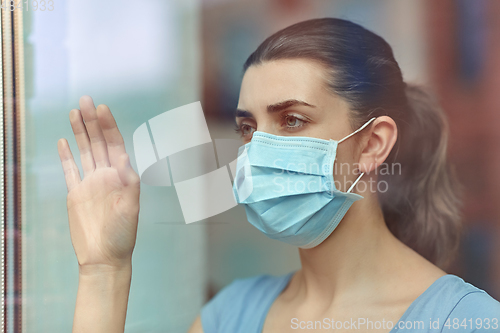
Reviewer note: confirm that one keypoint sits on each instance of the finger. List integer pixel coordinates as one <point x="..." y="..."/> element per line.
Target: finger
<point x="114" y="140"/>
<point x="129" y="177"/>
<point x="83" y="141"/>
<point x="97" y="141"/>
<point x="127" y="174"/>
<point x="71" y="172"/>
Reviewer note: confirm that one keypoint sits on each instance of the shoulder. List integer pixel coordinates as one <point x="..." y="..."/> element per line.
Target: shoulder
<point x="452" y="305"/>
<point x="473" y="297"/>
<point x="241" y="289"/>
<point x="474" y="310"/>
<point x="239" y="298"/>
<point x="476" y="303"/>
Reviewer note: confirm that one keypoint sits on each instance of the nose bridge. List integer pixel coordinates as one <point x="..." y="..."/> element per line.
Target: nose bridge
<point x="266" y="129"/>
<point x="268" y="125"/>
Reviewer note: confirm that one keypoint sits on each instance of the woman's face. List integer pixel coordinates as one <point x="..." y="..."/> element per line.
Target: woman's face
<point x="290" y="98"/>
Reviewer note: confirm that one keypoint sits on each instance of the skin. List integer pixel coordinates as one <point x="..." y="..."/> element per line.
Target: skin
<point x="360" y="271"/>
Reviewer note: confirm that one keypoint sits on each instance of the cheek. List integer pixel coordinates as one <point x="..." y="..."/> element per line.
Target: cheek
<point x="345" y="161"/>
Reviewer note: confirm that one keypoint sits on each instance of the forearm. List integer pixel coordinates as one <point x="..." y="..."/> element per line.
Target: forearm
<point x="101" y="303"/>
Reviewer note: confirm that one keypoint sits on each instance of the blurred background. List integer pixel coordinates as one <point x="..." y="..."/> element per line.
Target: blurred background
<point x="142" y="59"/>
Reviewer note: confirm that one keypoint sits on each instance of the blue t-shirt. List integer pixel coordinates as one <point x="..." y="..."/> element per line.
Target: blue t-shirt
<point x="449" y="305"/>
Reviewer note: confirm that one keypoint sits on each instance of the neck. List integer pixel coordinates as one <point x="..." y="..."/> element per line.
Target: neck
<point x="358" y="253"/>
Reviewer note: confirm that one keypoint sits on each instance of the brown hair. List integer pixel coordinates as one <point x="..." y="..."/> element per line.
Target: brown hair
<point x="421" y="205"/>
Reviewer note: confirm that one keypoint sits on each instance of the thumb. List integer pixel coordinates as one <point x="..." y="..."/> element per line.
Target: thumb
<point x="127" y="174"/>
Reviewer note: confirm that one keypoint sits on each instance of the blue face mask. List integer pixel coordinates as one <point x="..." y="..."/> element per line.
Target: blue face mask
<point x="286" y="185"/>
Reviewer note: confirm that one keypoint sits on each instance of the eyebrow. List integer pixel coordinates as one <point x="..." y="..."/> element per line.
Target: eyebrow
<point x="273" y="108"/>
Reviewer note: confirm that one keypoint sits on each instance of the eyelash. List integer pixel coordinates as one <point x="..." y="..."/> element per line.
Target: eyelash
<point x="286" y="115"/>
<point x="283" y="117"/>
<point x="239" y="128"/>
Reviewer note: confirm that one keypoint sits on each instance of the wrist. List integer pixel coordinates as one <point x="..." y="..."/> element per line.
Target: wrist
<point x="97" y="270"/>
<point x="105" y="282"/>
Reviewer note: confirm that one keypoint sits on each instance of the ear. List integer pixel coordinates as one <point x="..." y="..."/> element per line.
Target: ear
<point x="378" y="143"/>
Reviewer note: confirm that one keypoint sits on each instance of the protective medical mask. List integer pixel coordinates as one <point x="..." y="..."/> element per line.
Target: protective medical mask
<point x="286" y="184"/>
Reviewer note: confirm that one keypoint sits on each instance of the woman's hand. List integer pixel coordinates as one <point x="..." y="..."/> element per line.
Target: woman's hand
<point x="103" y="207"/>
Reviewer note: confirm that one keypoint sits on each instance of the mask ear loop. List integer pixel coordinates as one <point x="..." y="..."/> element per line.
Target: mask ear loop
<point x="355" y="182"/>
<point x="358" y="130"/>
<point x="347" y="137"/>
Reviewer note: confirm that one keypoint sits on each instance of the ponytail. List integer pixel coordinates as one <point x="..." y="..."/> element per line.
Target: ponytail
<point x="421" y="205"/>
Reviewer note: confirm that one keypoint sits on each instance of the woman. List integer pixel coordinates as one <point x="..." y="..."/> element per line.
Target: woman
<point x="327" y="93"/>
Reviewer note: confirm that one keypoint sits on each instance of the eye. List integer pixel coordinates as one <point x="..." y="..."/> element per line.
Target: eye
<point x="293" y="121"/>
<point x="245" y="130"/>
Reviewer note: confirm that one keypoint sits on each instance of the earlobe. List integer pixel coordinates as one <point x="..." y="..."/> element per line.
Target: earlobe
<point x="381" y="137"/>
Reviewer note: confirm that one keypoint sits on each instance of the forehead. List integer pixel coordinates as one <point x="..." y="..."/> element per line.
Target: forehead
<point x="279" y="80"/>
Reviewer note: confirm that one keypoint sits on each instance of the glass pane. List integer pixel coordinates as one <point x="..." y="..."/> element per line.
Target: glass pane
<point x="137" y="58"/>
